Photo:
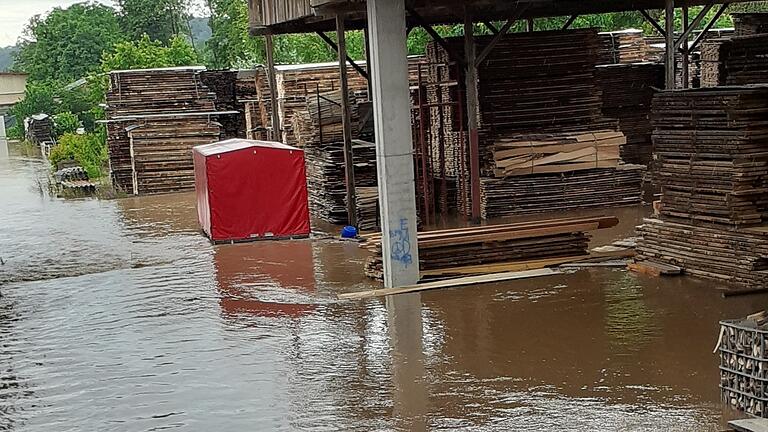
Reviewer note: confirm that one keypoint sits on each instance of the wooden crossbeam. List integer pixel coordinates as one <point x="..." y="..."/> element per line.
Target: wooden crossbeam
<point x="708" y="27"/>
<point x="351" y="62"/>
<point x="503" y="31"/>
<point x="570" y="22"/>
<point x="696" y="21"/>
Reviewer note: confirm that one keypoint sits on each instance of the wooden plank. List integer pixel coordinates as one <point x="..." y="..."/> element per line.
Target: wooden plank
<point x="451" y="283"/>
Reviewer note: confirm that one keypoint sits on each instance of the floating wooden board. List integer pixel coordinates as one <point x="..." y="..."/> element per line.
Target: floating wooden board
<point x="451" y="283"/>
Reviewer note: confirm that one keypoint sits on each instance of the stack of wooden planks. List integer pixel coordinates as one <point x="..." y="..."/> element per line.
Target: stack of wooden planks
<point x="733" y="256"/>
<point x="711" y="158"/>
<point x="497" y="248"/>
<point x="38" y="129"/>
<point x="743" y="350"/>
<point x="561" y="192"/>
<point x="552" y="78"/>
<point x="154" y="118"/>
<point x="746" y="24"/>
<point x="628" y="90"/>
<point x="555" y="153"/>
<point x="367" y="208"/>
<point x="712" y="165"/>
<point x="224" y="84"/>
<point x="623" y="46"/>
<point x="325" y="177"/>
<point x="738" y="60"/>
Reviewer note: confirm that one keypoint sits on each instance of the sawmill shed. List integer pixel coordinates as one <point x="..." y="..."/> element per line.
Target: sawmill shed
<point x="386" y="24"/>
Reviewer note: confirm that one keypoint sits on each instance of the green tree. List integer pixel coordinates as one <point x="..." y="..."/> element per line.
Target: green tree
<point x="145" y="53"/>
<point x="161" y="20"/>
<point x="67" y="44"/>
<point x="230" y="45"/>
<point x="38" y="98"/>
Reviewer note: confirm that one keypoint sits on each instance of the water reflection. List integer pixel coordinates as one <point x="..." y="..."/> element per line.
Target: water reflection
<point x="265" y="278"/>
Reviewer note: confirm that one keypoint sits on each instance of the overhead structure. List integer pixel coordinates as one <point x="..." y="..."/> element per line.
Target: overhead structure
<point x="388" y="74"/>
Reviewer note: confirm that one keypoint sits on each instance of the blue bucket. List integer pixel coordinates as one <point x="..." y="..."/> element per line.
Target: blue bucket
<point x="349" y="232"/>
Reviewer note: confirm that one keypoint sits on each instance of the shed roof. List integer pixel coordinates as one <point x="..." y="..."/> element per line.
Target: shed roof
<point x="308" y="16"/>
<point x="235" y="144"/>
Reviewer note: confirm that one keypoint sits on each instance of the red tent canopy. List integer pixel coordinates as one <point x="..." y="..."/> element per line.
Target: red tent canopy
<point x="249" y="190"/>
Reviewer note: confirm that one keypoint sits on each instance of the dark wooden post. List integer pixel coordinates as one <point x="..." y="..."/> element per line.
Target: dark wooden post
<point x="684" y="46"/>
<point x="473" y="114"/>
<point x="669" y="24"/>
<point x="276" y="129"/>
<point x="346" y="121"/>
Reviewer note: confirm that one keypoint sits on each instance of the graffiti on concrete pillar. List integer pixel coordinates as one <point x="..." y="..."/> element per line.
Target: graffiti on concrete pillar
<point x="401" y="244"/>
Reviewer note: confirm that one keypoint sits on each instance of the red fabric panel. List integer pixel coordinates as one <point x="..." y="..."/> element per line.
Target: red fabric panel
<point x="201" y="192"/>
<point x="256" y="192"/>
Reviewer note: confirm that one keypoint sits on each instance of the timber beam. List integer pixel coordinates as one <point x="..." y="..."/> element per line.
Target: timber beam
<point x="570" y="22"/>
<point x="335" y="47"/>
<point x="433" y="34"/>
<point x="503" y="31"/>
<point x="708" y="27"/>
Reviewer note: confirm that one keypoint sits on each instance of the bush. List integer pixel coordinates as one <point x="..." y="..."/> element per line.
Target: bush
<point x="88" y="150"/>
<point x="65" y="123"/>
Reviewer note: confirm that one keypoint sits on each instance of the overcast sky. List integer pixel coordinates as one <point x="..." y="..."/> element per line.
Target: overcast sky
<point x="15" y="14"/>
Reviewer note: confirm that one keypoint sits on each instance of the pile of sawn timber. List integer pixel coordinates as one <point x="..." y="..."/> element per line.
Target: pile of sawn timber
<point x="494" y="248"/>
<point x="623" y="46"/>
<point x="746" y="24"/>
<point x="326" y="177"/>
<point x="224" y="83"/>
<point x="712" y="165"/>
<point x="530" y="85"/>
<point x="155" y="117"/>
<point x="738" y="60"/>
<point x="628" y="90"/>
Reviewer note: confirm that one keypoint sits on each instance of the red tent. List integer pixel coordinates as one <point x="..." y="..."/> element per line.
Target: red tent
<point x="249" y="190"/>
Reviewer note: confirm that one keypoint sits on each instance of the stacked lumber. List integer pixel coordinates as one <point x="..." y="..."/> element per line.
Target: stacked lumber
<point x="711" y="158"/>
<point x="494" y="248"/>
<point x="623" y="46"/>
<point x="738" y="60"/>
<point x="321" y="119"/>
<point x="154" y="118"/>
<point x="746" y="24"/>
<point x="712" y="166"/>
<point x="254" y="126"/>
<point x="628" y="90"/>
<point x="734" y="256"/>
<point x="223" y="83"/>
<point x="367" y="208"/>
<point x="325" y="177"/>
<point x="561" y="192"/>
<point x="38" y="128"/>
<point x="163" y="152"/>
<point x="530" y="85"/>
<point x="555" y="153"/>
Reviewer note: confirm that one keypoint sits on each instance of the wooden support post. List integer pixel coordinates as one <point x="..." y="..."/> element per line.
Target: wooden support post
<point x="367" y="48"/>
<point x="473" y="114"/>
<point x="669" y="57"/>
<point x="529" y="25"/>
<point x="434" y="35"/>
<point x="684" y="45"/>
<point x="346" y="122"/>
<point x="276" y="129"/>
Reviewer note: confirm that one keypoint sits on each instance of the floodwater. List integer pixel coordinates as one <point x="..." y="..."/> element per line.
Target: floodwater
<point x="119" y="316"/>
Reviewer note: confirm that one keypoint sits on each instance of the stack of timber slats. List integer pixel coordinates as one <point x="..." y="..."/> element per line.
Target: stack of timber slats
<point x="623" y="46"/>
<point x="561" y="192"/>
<point x="39" y="129"/>
<point x="628" y="90"/>
<point x="712" y="164"/>
<point x="224" y="84"/>
<point x="162" y="113"/>
<point x="711" y="154"/>
<point x="531" y="85"/>
<point x="738" y="60"/>
<point x="555" y="153"/>
<point x="493" y="248"/>
<point x="746" y="24"/>
<point x="326" y="178"/>
<point x="367" y="208"/>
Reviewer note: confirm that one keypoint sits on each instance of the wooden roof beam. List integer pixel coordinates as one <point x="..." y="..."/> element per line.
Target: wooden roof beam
<point x="708" y="27"/>
<point x="335" y="47"/>
<point x="503" y="31"/>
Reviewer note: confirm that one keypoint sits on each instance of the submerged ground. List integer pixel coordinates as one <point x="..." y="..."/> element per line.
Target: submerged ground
<point x="119" y="316"/>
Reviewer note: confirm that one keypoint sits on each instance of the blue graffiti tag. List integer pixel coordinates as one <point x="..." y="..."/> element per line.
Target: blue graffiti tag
<point x="401" y="244"/>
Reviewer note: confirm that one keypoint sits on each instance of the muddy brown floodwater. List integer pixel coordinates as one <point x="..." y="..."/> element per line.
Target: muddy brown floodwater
<point x="119" y="316"/>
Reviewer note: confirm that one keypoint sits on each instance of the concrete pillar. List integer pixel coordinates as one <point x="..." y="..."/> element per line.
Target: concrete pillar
<point x="406" y="336"/>
<point x="394" y="146"/>
<point x="2" y="127"/>
<point x="669" y="24"/>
